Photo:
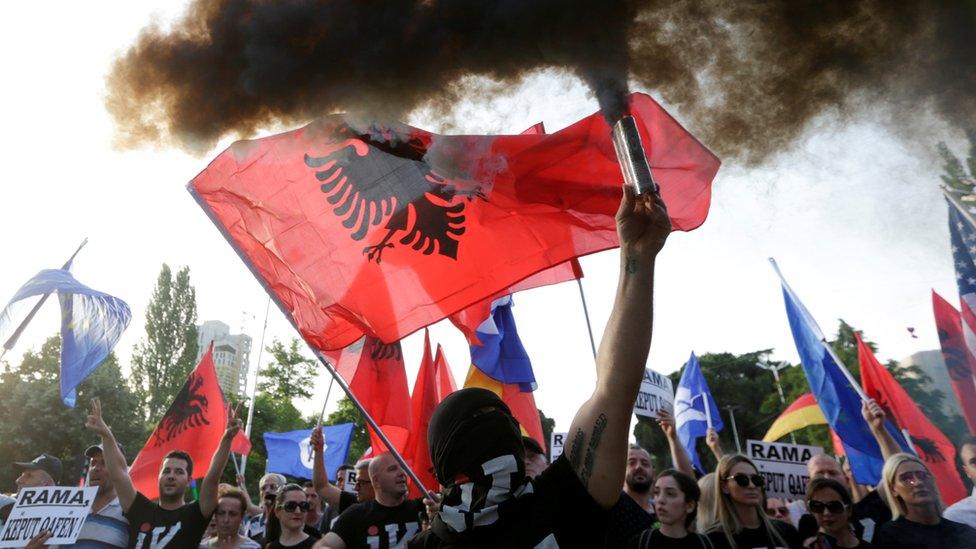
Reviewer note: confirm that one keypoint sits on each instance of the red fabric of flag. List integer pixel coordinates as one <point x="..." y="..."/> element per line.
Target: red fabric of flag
<point x="931" y="445"/>
<point x="957" y="358"/>
<point x="445" y="379"/>
<point x="241" y="444"/>
<point x="376" y="375"/>
<point x="194" y="423"/>
<point x="330" y="215"/>
<point x="423" y="402"/>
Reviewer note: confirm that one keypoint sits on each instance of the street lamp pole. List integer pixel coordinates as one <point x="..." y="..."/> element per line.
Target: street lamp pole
<point x="775" y="367"/>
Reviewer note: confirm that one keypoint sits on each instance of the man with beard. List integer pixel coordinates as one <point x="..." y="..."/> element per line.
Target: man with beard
<point x="476" y="445"/>
<point x="105" y="525"/>
<point x="170" y="523"/>
<point x="388" y="521"/>
<point x="634" y="511"/>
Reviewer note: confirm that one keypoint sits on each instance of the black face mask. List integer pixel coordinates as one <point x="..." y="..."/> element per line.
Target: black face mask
<point x="476" y="446"/>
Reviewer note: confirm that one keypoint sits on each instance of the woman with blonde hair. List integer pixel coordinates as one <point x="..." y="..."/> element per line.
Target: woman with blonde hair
<point x="741" y="521"/>
<point x="706" y="505"/>
<point x="916" y="508"/>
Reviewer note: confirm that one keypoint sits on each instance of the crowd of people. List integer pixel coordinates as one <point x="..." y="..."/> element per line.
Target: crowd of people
<point x="498" y="489"/>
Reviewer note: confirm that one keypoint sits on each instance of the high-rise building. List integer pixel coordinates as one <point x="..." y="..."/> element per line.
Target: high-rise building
<point x="231" y="355"/>
<point x="932" y="364"/>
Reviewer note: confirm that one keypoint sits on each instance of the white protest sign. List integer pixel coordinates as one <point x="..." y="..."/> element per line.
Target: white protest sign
<point x="783" y="465"/>
<point x="61" y="510"/>
<point x="556" y="443"/>
<point x="656" y="393"/>
<point x="350" y="481"/>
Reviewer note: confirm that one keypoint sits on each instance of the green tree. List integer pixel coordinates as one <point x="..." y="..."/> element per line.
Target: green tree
<point x="956" y="175"/>
<point x="271" y="415"/>
<point x="36" y="421"/>
<point x="548" y="424"/>
<point x="161" y="362"/>
<point x="289" y="375"/>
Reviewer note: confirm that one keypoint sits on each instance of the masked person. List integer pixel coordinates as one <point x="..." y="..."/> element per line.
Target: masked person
<point x="171" y="523"/>
<point x="476" y="444"/>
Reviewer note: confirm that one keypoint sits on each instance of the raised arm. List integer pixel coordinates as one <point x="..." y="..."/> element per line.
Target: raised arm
<point x="320" y="480"/>
<point x="597" y="446"/>
<point x="679" y="456"/>
<point x="714" y="443"/>
<point x="252" y="510"/>
<point x="208" y="488"/>
<point x="114" y="460"/>
<point x="875" y="417"/>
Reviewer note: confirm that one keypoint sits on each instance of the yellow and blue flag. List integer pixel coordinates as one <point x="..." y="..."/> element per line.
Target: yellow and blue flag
<point x="91" y="324"/>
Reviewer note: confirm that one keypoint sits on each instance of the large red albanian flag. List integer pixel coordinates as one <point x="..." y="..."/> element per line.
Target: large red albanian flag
<point x="334" y="214"/>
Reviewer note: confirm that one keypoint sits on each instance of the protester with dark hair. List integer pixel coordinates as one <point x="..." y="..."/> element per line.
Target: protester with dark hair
<point x="742" y="521"/>
<point x="386" y="522"/>
<point x="964" y="510"/>
<point x="286" y="527"/>
<point x="335" y="497"/>
<point x="832" y="506"/>
<point x="170" y="523"/>
<point x="916" y="508"/>
<point x="476" y="444"/>
<point x="341" y="475"/>
<point x="535" y="457"/>
<point x="231" y="504"/>
<point x="315" y="515"/>
<point x="634" y="510"/>
<point x="268" y="486"/>
<point x="676" y="498"/>
<point x="106" y="525"/>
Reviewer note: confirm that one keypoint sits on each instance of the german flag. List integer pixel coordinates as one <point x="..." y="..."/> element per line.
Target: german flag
<point x="804" y="412"/>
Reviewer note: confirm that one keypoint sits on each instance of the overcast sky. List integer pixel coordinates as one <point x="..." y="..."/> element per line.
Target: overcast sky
<point x="853" y="215"/>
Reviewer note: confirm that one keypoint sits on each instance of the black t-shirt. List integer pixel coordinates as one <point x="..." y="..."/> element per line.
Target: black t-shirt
<point x="755" y="538"/>
<point x="626" y="520"/>
<point x="306" y="544"/>
<point x="868" y="515"/>
<point x="152" y="527"/>
<point x="654" y="539"/>
<point x="376" y="526"/>
<point x="831" y="542"/>
<point x="905" y="533"/>
<point x="554" y="503"/>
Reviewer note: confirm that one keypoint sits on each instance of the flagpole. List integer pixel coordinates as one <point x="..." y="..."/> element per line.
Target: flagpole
<point x="254" y="389"/>
<point x="12" y="340"/>
<point x="322" y="413"/>
<point x="586" y="314"/>
<point x="318" y="354"/>
<point x="708" y="410"/>
<point x="955" y="202"/>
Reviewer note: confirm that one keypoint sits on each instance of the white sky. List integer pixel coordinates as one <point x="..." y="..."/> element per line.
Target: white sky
<point x="854" y="217"/>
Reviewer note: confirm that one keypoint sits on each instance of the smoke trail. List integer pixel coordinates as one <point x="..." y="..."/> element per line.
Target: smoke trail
<point x="746" y="75"/>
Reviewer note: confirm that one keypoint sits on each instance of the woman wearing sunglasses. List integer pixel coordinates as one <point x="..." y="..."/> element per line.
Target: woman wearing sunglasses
<point x="916" y="508"/>
<point x="830" y="503"/>
<point x="286" y="527"/>
<point x="742" y="522"/>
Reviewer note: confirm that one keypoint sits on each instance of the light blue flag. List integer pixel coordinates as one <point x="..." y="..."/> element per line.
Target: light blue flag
<point x="690" y="415"/>
<point x="501" y="355"/>
<point x="91" y="324"/>
<point x="838" y="398"/>
<point x="288" y="453"/>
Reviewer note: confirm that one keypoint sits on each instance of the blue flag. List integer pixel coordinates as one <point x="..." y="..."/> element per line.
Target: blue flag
<point x="501" y="355"/>
<point x="288" y="452"/>
<point x="91" y="324"/>
<point x="838" y="398"/>
<point x="690" y="414"/>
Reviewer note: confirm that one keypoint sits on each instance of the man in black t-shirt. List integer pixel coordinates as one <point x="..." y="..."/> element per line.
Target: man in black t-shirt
<point x="337" y="499"/>
<point x="476" y="444"/>
<point x="634" y="511"/>
<point x="388" y="521"/>
<point x="170" y="523"/>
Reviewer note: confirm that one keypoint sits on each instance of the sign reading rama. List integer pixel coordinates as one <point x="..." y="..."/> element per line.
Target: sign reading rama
<point x="60" y="510"/>
<point x="783" y="465"/>
<point x="556" y="443"/>
<point x="656" y="393"/>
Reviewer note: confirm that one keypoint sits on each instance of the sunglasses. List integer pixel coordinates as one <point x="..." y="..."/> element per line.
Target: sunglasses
<point x="817" y="507"/>
<point x="292" y="506"/>
<point x="777" y="511"/>
<point x="912" y="478"/>
<point x="743" y="479"/>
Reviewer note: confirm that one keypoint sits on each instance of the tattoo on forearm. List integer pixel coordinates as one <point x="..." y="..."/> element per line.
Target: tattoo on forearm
<point x="576" y="451"/>
<point x="598" y="428"/>
<point x="630" y="266"/>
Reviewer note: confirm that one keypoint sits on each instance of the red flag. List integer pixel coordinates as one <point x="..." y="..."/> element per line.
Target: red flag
<point x="375" y="374"/>
<point x="326" y="214"/>
<point x="957" y="358"/>
<point x="445" y="380"/>
<point x="194" y="423"/>
<point x="423" y="402"/>
<point x="241" y="444"/>
<point x="930" y="444"/>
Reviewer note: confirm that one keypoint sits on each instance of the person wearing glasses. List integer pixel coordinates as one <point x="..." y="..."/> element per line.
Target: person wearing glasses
<point x="286" y="527"/>
<point x="742" y="522"/>
<point x="832" y="506"/>
<point x="909" y="489"/>
<point x="777" y="509"/>
<point x="268" y="486"/>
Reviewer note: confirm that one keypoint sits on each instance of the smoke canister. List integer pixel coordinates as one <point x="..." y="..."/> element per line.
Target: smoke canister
<point x="630" y="155"/>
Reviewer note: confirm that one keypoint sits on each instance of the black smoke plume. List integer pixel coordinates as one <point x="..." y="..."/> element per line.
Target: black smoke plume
<point x="746" y="76"/>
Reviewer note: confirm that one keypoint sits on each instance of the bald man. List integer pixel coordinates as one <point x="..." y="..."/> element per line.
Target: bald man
<point x="388" y="521"/>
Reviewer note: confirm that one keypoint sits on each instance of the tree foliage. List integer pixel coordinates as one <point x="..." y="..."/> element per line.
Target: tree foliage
<point x="271" y="415"/>
<point x="289" y="375"/>
<point x="36" y="421"/>
<point x="161" y="361"/>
